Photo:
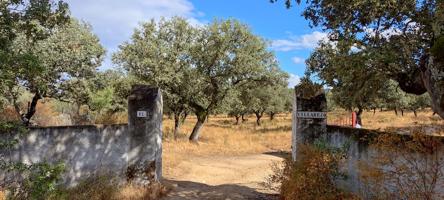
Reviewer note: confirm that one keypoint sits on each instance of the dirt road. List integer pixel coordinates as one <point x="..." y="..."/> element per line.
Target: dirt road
<point x="234" y="177"/>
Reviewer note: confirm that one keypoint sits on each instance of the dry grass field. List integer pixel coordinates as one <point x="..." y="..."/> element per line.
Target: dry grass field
<point x="220" y="137"/>
<point x="388" y="120"/>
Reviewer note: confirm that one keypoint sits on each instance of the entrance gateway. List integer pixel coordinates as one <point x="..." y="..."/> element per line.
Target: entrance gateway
<point x="309" y="118"/>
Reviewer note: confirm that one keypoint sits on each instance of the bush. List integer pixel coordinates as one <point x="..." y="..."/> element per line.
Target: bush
<point x="93" y="188"/>
<point x="106" y="187"/>
<point x="32" y="181"/>
<point x="313" y="175"/>
<point x="40" y="181"/>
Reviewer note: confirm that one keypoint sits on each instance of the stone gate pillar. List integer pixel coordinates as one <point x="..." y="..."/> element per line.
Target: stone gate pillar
<point x="309" y="119"/>
<point x="145" y="129"/>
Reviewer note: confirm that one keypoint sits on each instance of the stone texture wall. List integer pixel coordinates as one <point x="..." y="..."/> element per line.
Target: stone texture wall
<point x="306" y="130"/>
<point x="359" y="151"/>
<point x="85" y="150"/>
<point x="145" y="130"/>
<point x="131" y="152"/>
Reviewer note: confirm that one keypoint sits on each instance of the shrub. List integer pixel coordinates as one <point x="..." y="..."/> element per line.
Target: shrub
<point x="313" y="175"/>
<point x="33" y="181"/>
<point x="106" y="187"/>
<point x="93" y="188"/>
<point x="39" y="181"/>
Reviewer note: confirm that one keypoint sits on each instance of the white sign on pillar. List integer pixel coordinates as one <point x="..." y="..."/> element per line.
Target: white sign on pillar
<point x="141" y="114"/>
<point x="311" y="115"/>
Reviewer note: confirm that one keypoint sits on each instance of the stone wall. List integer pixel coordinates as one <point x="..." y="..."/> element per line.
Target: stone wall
<point x="85" y="150"/>
<point x="360" y="151"/>
<point x="308" y="127"/>
<point x="130" y="152"/>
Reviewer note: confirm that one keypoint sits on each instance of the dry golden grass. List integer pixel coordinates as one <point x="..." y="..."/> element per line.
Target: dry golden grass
<point x="2" y="195"/>
<point x="387" y="120"/>
<point x="220" y="136"/>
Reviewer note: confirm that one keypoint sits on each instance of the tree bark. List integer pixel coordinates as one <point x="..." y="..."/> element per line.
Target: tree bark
<point x="374" y="111"/>
<point x="272" y="116"/>
<point x="429" y="76"/>
<point x="176" y="125"/>
<point x="433" y="75"/>
<point x="402" y="112"/>
<point x="396" y="112"/>
<point x="31" y="109"/>
<point x="358" y="116"/>
<point x="184" y="117"/>
<point x="414" y="112"/>
<point x="258" y="117"/>
<point x="201" y="117"/>
<point x="237" y="119"/>
<point x="243" y="118"/>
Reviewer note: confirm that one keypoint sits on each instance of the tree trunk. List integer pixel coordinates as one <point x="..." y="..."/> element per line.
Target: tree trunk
<point x="380" y="110"/>
<point x="31" y="109"/>
<point x="396" y="112"/>
<point x="374" y="111"/>
<point x="243" y="118"/>
<point x="414" y="112"/>
<point x="358" y="116"/>
<point x="258" y="117"/>
<point x="184" y="117"/>
<point x="176" y="125"/>
<point x="237" y="119"/>
<point x="429" y="76"/>
<point x="402" y="112"/>
<point x="201" y="117"/>
<point x="272" y="116"/>
<point x="433" y="74"/>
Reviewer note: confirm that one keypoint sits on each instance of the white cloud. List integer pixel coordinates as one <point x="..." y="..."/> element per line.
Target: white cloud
<point x="298" y="60"/>
<point x="114" y="20"/>
<point x="307" y="41"/>
<point x="410" y="27"/>
<point x="293" y="80"/>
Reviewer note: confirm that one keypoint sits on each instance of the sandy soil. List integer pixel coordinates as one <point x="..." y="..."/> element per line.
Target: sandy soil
<point x="227" y="177"/>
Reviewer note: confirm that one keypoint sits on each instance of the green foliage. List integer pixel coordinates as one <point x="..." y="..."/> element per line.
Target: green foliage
<point x="346" y="72"/>
<point x="58" y="66"/>
<point x="40" y="180"/>
<point x="10" y="128"/>
<point x="372" y="41"/>
<point x="196" y="67"/>
<point x="102" y="99"/>
<point x="43" y="181"/>
<point x="33" y="22"/>
<point x="438" y="48"/>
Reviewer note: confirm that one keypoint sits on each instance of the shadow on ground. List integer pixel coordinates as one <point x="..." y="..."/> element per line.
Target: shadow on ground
<point x="188" y="190"/>
<point x="280" y="154"/>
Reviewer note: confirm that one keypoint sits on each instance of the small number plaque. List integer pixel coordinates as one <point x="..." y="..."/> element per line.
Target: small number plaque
<point x="141" y="114"/>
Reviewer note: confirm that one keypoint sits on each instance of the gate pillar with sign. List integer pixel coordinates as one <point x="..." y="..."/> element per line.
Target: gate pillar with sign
<point x="145" y="127"/>
<point x="309" y="119"/>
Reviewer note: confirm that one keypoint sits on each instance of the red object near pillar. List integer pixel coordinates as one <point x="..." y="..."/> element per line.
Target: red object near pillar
<point x="354" y="119"/>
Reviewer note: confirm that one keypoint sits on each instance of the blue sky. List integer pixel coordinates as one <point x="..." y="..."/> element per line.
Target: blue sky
<point x="287" y="31"/>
